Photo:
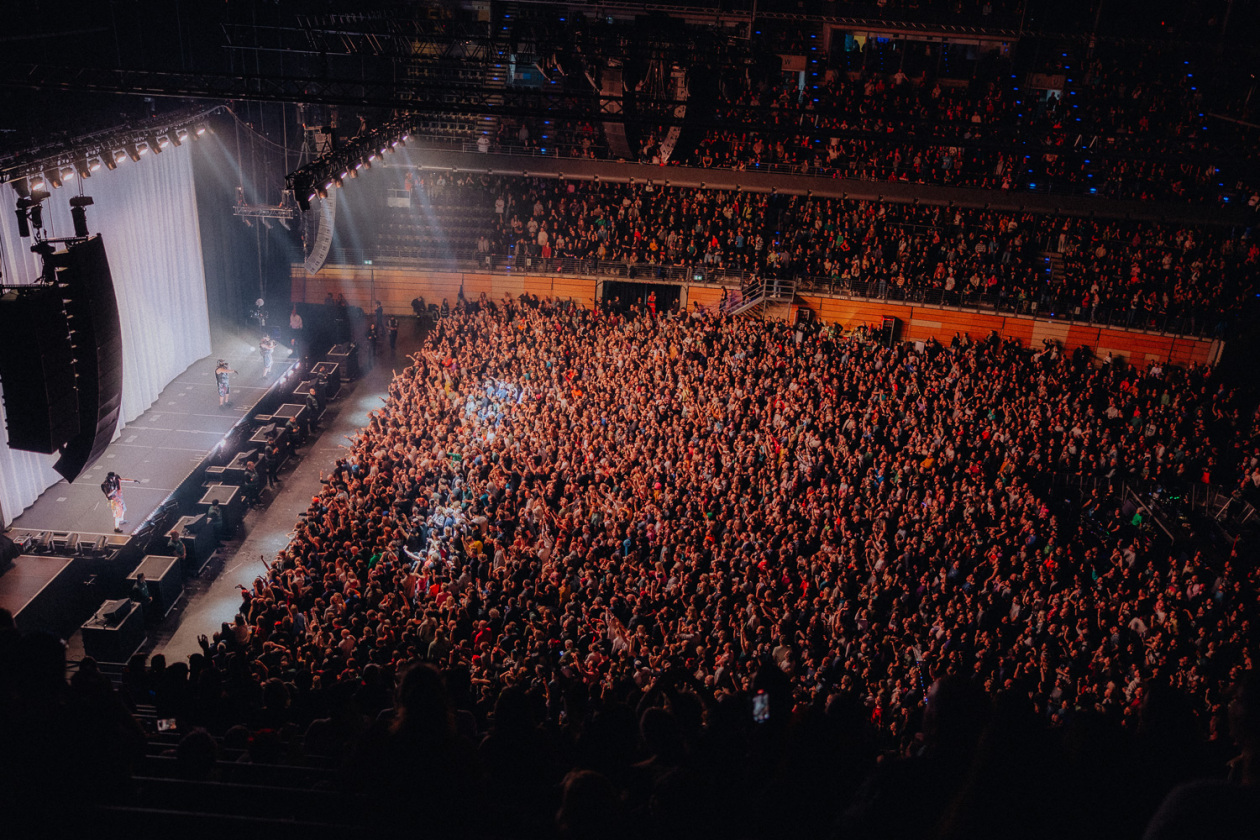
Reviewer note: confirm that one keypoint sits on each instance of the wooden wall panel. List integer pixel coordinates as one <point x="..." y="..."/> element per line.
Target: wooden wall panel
<point x="395" y="286"/>
<point x="812" y="303"/>
<point x="1023" y="330"/>
<point x="537" y="286"/>
<point x="851" y="314"/>
<point x="578" y="289"/>
<point x="698" y="296"/>
<point x="1051" y="330"/>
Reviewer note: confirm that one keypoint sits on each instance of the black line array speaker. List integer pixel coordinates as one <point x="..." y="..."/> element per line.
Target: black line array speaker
<point x="97" y="340"/>
<point x="37" y="368"/>
<point x="614" y="104"/>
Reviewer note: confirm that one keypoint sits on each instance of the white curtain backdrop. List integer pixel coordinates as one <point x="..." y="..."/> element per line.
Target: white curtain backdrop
<point x="146" y="212"/>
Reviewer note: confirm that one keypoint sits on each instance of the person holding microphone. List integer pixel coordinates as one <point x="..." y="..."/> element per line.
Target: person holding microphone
<point x="112" y="488"/>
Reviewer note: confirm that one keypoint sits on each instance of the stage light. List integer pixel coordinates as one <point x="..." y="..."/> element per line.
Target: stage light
<point x="132" y="152"/>
<point x="201" y="129"/>
<point x="22" y="187"/>
<point x="143" y="149"/>
<point x="327" y="187"/>
<point x="152" y="142"/>
<point x="163" y="142"/>
<point x="78" y="213"/>
<point x="24" y="227"/>
<point x="37" y="182"/>
<point x="53" y="178"/>
<point x="385" y="149"/>
<point x="67" y="174"/>
<point x="111" y="160"/>
<point x="179" y="136"/>
<point x="81" y="168"/>
<point x="95" y="165"/>
<point x="338" y="180"/>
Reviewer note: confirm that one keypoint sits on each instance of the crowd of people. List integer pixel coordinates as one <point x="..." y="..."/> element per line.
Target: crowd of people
<point x="700" y="576"/>
<point x="1123" y="129"/>
<point x="1141" y="274"/>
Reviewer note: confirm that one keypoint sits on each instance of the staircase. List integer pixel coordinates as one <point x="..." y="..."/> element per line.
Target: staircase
<point x="765" y="297"/>
<point x="1052" y="268"/>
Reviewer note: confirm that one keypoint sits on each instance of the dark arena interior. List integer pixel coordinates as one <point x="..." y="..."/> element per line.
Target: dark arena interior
<point x="518" y="419"/>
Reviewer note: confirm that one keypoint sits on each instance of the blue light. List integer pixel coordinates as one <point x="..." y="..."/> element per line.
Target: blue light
<point x="1032" y="186"/>
<point x="1093" y="190"/>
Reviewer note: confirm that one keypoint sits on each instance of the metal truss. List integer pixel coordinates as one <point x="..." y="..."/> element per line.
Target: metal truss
<point x="102" y="144"/>
<point x="284" y="212"/>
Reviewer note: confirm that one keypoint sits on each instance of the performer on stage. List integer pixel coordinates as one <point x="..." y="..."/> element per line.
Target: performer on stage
<point x="267" y="347"/>
<point x="112" y="488"/>
<point x="221" y="373"/>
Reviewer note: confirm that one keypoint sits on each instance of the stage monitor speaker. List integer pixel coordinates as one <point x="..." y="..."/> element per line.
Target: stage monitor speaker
<point x="615" y="103"/>
<point x="37" y="369"/>
<point x="93" y="310"/>
<point x="113" y="612"/>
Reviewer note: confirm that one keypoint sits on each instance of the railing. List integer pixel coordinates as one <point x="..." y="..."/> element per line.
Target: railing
<point x="552" y="149"/>
<point x="1042" y="306"/>
<point x="433" y="260"/>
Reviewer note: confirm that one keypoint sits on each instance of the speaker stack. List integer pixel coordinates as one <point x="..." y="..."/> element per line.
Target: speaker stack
<point x="37" y="369"/>
<point x="62" y="365"/>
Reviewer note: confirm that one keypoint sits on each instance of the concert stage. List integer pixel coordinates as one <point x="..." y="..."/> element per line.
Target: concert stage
<point x="167" y="450"/>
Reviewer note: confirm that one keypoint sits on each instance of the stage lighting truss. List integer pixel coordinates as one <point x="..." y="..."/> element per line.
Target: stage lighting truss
<point x="83" y="156"/>
<point x="283" y="212"/>
<point x="331" y="169"/>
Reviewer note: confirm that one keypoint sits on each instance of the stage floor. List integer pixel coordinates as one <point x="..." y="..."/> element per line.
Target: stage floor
<point x="160" y="447"/>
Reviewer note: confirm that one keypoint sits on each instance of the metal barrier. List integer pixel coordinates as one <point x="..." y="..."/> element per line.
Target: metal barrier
<point x="434" y="260"/>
